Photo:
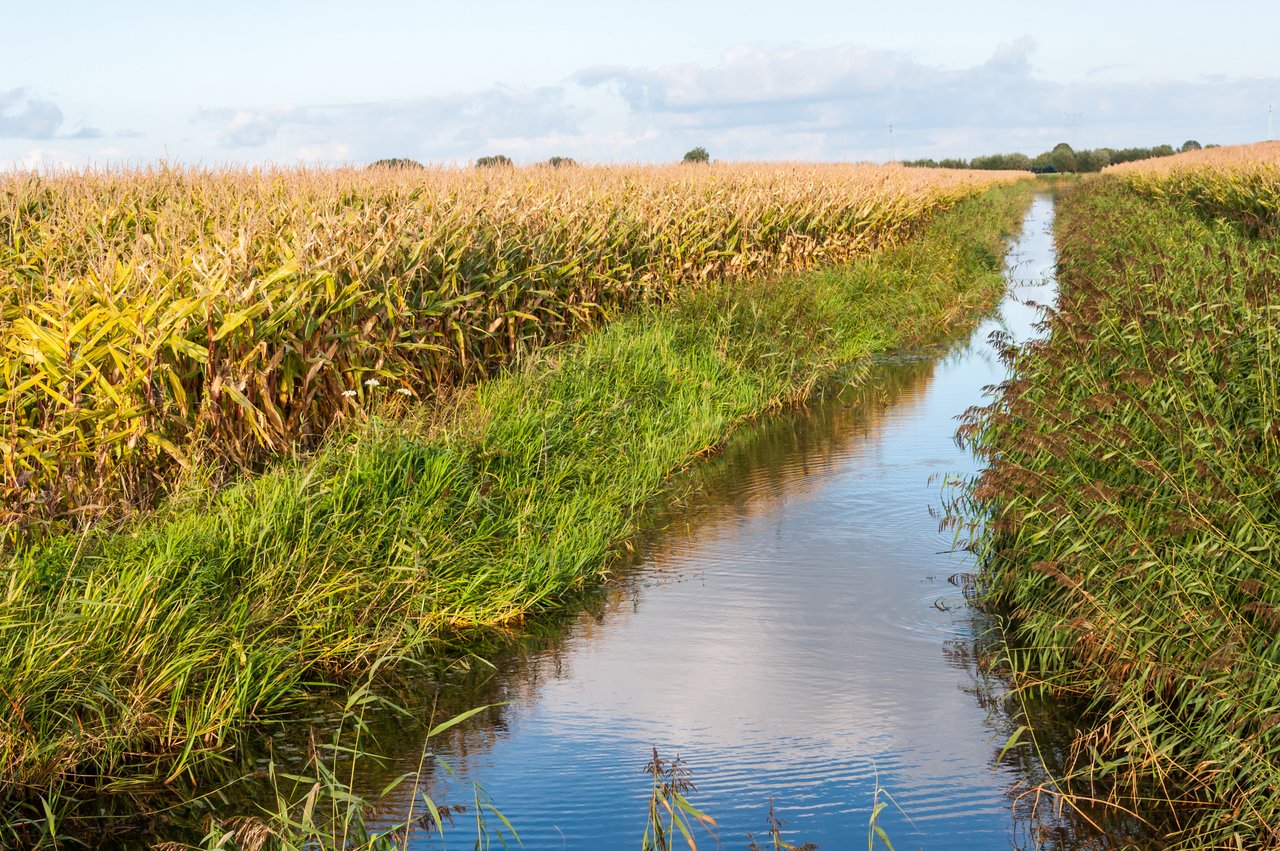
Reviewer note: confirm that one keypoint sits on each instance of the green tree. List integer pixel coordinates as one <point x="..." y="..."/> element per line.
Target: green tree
<point x="1093" y="160"/>
<point x="396" y="162"/>
<point x="1063" y="159"/>
<point x="1190" y="145"/>
<point x="1002" y="162"/>
<point x="561" y="162"/>
<point x="697" y="155"/>
<point x="494" y="161"/>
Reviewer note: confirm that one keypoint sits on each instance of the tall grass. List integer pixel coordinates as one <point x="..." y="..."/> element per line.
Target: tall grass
<point x="145" y="654"/>
<point x="152" y="322"/>
<point x="1133" y="516"/>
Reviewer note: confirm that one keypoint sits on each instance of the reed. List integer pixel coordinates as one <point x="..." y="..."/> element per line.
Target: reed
<point x="161" y="321"/>
<point x="1131" y="528"/>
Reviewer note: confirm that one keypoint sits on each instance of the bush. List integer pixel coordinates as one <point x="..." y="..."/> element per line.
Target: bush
<point x="396" y="162"/>
<point x="697" y="155"/>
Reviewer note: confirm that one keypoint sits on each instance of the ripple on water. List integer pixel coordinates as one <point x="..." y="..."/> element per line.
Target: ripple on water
<point x="786" y="632"/>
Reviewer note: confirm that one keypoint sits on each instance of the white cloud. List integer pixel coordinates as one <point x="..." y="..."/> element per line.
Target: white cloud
<point x="462" y="125"/>
<point x="830" y="103"/>
<point x="331" y="152"/>
<point x="50" y="159"/>
<point x="839" y="102"/>
<point x="25" y="117"/>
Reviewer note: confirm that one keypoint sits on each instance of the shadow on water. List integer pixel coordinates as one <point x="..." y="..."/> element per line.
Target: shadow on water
<point x="795" y="628"/>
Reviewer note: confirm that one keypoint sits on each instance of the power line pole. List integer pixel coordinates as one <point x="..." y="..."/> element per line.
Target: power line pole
<point x="1074" y="118"/>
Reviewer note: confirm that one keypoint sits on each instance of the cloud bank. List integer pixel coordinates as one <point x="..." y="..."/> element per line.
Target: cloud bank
<point x="834" y="103"/>
<point x="23" y="116"/>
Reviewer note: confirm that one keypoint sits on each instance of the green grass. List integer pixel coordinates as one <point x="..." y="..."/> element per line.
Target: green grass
<point x="145" y="655"/>
<point x="1133" y="517"/>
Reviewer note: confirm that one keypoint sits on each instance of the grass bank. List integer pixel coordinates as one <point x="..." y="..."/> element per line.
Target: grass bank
<point x="1133" y="517"/>
<point x="147" y="653"/>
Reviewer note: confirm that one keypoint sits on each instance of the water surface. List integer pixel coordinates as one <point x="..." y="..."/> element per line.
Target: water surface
<point x="795" y="631"/>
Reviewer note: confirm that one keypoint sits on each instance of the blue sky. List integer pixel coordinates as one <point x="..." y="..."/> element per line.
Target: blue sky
<point x="330" y="82"/>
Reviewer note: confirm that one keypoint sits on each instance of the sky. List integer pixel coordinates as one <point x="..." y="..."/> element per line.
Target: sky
<point x="131" y="82"/>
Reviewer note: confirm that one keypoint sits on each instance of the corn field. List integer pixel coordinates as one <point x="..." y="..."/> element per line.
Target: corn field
<point x="1240" y="183"/>
<point x="165" y="320"/>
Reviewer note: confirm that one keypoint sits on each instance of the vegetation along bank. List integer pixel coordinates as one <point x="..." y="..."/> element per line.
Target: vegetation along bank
<point x="1131" y="498"/>
<point x="164" y="325"/>
<point x="147" y="650"/>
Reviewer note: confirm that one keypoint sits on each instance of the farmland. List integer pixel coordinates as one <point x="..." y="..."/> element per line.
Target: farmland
<point x="457" y="395"/>
<point x="1130" y="501"/>
<point x="168" y="324"/>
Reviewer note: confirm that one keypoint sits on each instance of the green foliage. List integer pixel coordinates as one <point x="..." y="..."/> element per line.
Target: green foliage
<point x="670" y="811"/>
<point x="177" y="323"/>
<point x="697" y="155"/>
<point x="397" y="163"/>
<point x="1132" y="536"/>
<point x="1061" y="159"/>
<point x="562" y="162"/>
<point x="1095" y="160"/>
<point x="495" y="161"/>
<point x="1002" y="162"/>
<point x="1190" y="145"/>
<point x="168" y="639"/>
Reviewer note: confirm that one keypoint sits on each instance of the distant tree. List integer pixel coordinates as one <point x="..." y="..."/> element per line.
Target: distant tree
<point x="697" y="155"/>
<point x="561" y="162"/>
<point x="1190" y="145"/>
<point x="1002" y="162"/>
<point x="1211" y="145"/>
<point x="1063" y="159"/>
<point x="1093" y="160"/>
<point x="1017" y="162"/>
<point x="396" y="162"/>
<point x="497" y="160"/>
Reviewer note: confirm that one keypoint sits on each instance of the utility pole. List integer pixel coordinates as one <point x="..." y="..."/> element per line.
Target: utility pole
<point x="893" y="151"/>
<point x="1270" y="136"/>
<point x="1074" y="118"/>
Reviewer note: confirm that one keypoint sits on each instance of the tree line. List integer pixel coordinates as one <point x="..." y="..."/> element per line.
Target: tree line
<point x="1063" y="158"/>
<point x="696" y="155"/>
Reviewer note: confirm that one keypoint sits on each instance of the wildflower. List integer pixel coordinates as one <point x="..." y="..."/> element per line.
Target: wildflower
<point x="405" y="391"/>
<point x="373" y="382"/>
<point x="348" y="393"/>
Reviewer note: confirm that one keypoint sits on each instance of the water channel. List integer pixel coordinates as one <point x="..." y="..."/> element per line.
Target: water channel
<point x="795" y="631"/>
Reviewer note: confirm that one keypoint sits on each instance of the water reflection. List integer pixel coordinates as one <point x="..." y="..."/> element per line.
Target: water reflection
<point x="790" y="630"/>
